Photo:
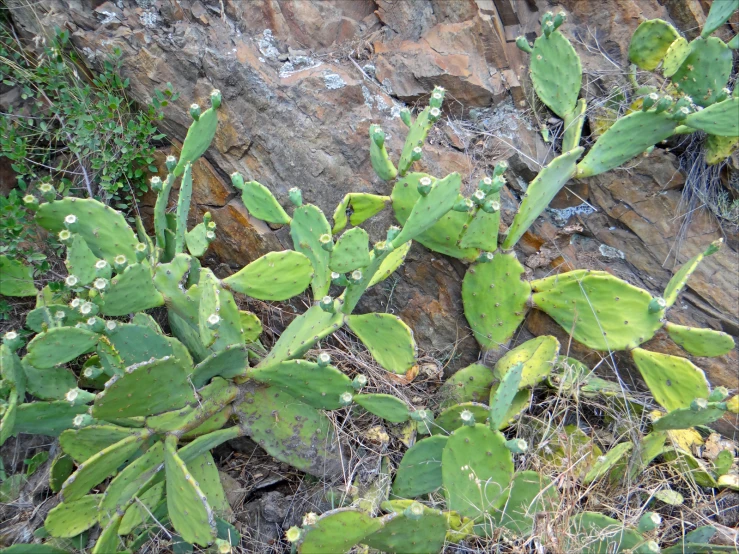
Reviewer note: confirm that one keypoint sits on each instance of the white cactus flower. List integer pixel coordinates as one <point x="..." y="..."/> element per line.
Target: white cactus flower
<point x="489" y="256"/>
<point x="100" y="283"/>
<point x="78" y="420"/>
<point x="120" y="259"/>
<point x="29" y="199"/>
<point x="60" y="315"/>
<point x="140" y="247"/>
<point x="685" y="110"/>
<point x="479" y="194"/>
<point x="418" y="150"/>
<point x="214" y="319"/>
<point x="156" y="180"/>
<point x="326" y="300"/>
<point x="86" y="308"/>
<point x="434" y="112"/>
<point x="64" y="234"/>
<point x="323" y="357"/>
<point x="654" y="96"/>
<point x="466" y="415"/>
<point x="71" y="280"/>
<point x="11" y="335"/>
<point x="75" y="303"/>
<point x="425" y="181"/>
<point x="100" y="264"/>
<point x="346" y="397"/>
<point x="356" y="275"/>
<point x="92" y="321"/>
<point x="194" y="106"/>
<point x="72" y="395"/>
<point x="170" y="160"/>
<point x="210" y="235"/>
<point x="70" y="219"/>
<point x="110" y="325"/>
<point x="335" y="275"/>
<point x="46" y="187"/>
<point x="487" y="181"/>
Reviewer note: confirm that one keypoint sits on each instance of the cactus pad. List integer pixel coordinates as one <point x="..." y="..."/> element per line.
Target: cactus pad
<point x="391" y="262"/>
<point x="673" y="381"/>
<point x="719" y="14"/>
<point x="97" y="468"/>
<point x="600" y="533"/>
<point x="307" y="226"/>
<point x="290" y="430"/>
<point x="82" y="444"/>
<point x="449" y="420"/>
<point x="59" y="346"/>
<point x="405" y="534"/>
<point x="337" y="531"/>
<point x="540" y="193"/>
<point x="304" y="331"/>
<point x="603" y="312"/>
<point x="494" y="298"/>
<point x="608" y="464"/>
<point x="45" y="418"/>
<point x="476" y="468"/>
<point x="81" y="261"/>
<point x="16" y="278"/>
<point x="537" y="355"/>
<point x="650" y="43"/>
<point x="700" y="342"/>
<point x="628" y="137"/>
<point x="705" y="71"/>
<point x="389" y="340"/>
<point x="136" y="343"/>
<point x="218" y="303"/>
<point x="50" y="383"/>
<point x="419" y="471"/>
<point x="351" y="251"/>
<point x="136" y="514"/>
<point x="530" y="494"/>
<point x="228" y="363"/>
<point x="502" y="396"/>
<point x="381" y="163"/>
<point x="262" y="204"/>
<point x="104" y="229"/>
<point x="138" y="391"/>
<point x="675" y="56"/>
<point x="131" y="291"/>
<point x="320" y="387"/>
<point x="685" y="418"/>
<point x="417" y="133"/>
<point x="274" y="276"/>
<point x="680" y="279"/>
<point x="196" y="240"/>
<point x="199" y="136"/>
<point x="470" y="384"/>
<point x="721" y="118"/>
<point x="482" y="231"/>
<point x="61" y="468"/>
<point x="38" y="317"/>
<point x="203" y="469"/>
<point x="556" y="73"/>
<point x="187" y="505"/>
<point x="358" y="207"/>
<point x="385" y="406"/>
<point x="69" y="519"/>
<point x="521" y="401"/>
<point x="717" y="149"/>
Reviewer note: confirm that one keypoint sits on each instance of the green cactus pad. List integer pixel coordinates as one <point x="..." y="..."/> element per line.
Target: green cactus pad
<point x="104" y="229"/>
<point x="290" y="430"/>
<point x="137" y="343"/>
<point x="381" y="163"/>
<point x="449" y="420"/>
<point x="97" y="468"/>
<point x="705" y="71"/>
<point x="717" y="149"/>
<point x="130" y="482"/>
<point x="540" y="193"/>
<point x="673" y="381"/>
<point x="416" y="137"/>
<point x="675" y="56"/>
<point x="69" y="519"/>
<point x="136" y="514"/>
<point x="251" y="326"/>
<point x="685" y="418"/>
<point x="410" y="535"/>
<point x="262" y="204"/>
<point x="337" y="531"/>
<point x="196" y="240"/>
<point x="82" y="444"/>
<point x="503" y="395"/>
<point x="689" y="467"/>
<point x="81" y="261"/>
<point x="384" y="406"/>
<point x="351" y="251"/>
<point x="572" y="449"/>
<point x="204" y="471"/>
<point x="11" y="369"/>
<point x="556" y="73"/>
<point x="601" y="311"/>
<point x="521" y="401"/>
<point x="108" y="541"/>
<point x="274" y="276"/>
<point x="358" y="207"/>
<point x="131" y="291"/>
<point x="198" y="139"/>
<point x="138" y="391"/>
<point x="530" y="494"/>
<point x="187" y="504"/>
<point x="494" y="298"/>
<point x="481" y="453"/>
<point x="482" y="231"/>
<point x="650" y="43"/>
<point x="168" y="281"/>
<point x="721" y="119"/>
<point x="38" y="317"/>
<point x="443" y="235"/>
<point x="719" y="14"/>
<point x="700" y="342"/>
<point x="304" y="331"/>
<point x="537" y="355"/>
<point x="228" y="363"/>
<point x="306" y="227"/>
<point x="419" y="471"/>
<point x="389" y="340"/>
<point x="601" y="533"/>
<point x="628" y="137"/>
<point x="16" y="278"/>
<point x="680" y="279"/>
<point x="470" y="384"/>
<point x="213" y="423"/>
<point x="320" y="387"/>
<point x="46" y="418"/>
<point x="391" y="262"/>
<point x="426" y="211"/>
<point x="7" y="423"/>
<point x="59" y="346"/>
<point x="607" y="464"/>
<point x="50" y="383"/>
<point x="215" y="300"/>
<point x="61" y="468"/>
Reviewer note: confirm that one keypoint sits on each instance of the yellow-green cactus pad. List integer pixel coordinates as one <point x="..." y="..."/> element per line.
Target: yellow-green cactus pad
<point x="388" y="338"/>
<point x="274" y="276"/>
<point x="700" y="342"/>
<point x="650" y="43"/>
<point x="673" y="381"/>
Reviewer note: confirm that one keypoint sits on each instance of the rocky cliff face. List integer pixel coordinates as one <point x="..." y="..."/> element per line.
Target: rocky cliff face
<point x="303" y="79"/>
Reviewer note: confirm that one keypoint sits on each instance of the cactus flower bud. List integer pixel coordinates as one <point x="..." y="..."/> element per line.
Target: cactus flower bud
<point x="47" y="191"/>
<point x="663" y="104"/>
<point x="339" y="279"/>
<point x="101" y="264"/>
<point x="424" y="186"/>
<point x="64" y="236"/>
<point x="100" y="283"/>
<point x="491" y="206"/>
<point x="560" y="18"/>
<point x="75" y="303"/>
<point x="327" y="304"/>
<point x="392" y="232"/>
<point x="356" y="276"/>
<point x="110" y="325"/>
<point x="405" y="116"/>
<point x="517" y="446"/>
<point x="464" y="205"/>
<point x="548" y="28"/>
<point x="485" y="257"/>
<point x="237" y="180"/>
<point x="82" y="420"/>
<point x="478" y="197"/>
<point x="733" y="404"/>
<point x="523" y="44"/>
<point x="485" y="184"/>
<point x="120" y="262"/>
<point x="498" y="184"/>
<point x="346" y="399"/>
<point x="296" y="196"/>
<point x="195" y="111"/>
<point x="88" y="308"/>
<point x="223" y="546"/>
<point x="323" y="359"/>
<point x="327" y="242"/>
<point x="71" y="281"/>
<point x="210" y="236"/>
<point x="171" y="163"/>
<point x="416" y="153"/>
<point x="377" y="134"/>
<point x="156" y="184"/>
<point x="698" y="404"/>
<point x="719" y="394"/>
<point x="649" y="522"/>
<point x="437" y="98"/>
<point x="95" y="324"/>
<point x="215" y="98"/>
<point x="656" y="305"/>
<point x="31" y="202"/>
<point x="650" y="100"/>
<point x="381" y="246"/>
<point x="141" y="251"/>
<point x="359" y="382"/>
<point x="500" y="168"/>
<point x="414" y="511"/>
<point x="467" y="417"/>
<point x="70" y="222"/>
<point x="213" y="321"/>
<point x="293" y="534"/>
<point x="714" y="247"/>
<point x="434" y="114"/>
<point x="12" y="340"/>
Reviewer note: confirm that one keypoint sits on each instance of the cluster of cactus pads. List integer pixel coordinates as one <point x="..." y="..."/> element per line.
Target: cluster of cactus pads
<point x="140" y="410"/>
